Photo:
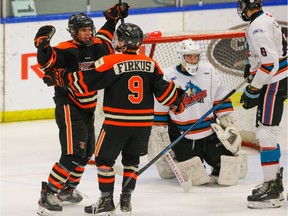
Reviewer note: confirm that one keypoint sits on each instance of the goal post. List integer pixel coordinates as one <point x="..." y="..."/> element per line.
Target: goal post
<point x="226" y="52"/>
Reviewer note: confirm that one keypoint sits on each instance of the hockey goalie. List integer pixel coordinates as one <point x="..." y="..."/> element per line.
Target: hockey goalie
<point x="215" y="141"/>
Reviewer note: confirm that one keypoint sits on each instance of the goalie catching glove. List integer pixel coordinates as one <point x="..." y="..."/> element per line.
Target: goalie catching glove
<point x="228" y="133"/>
<point x="55" y="77"/>
<point x="116" y="12"/>
<point x="43" y="36"/>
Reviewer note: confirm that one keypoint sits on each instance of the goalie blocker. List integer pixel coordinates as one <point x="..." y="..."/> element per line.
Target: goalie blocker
<point x="232" y="167"/>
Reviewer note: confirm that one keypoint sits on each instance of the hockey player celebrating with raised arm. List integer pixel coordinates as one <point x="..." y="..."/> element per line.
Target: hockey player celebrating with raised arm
<point x="75" y="120"/>
<point x="131" y="81"/>
<point x="267" y="91"/>
<point x="215" y="140"/>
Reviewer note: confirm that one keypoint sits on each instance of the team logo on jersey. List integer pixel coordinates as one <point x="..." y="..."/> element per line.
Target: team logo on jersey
<point x="258" y="31"/>
<point x="82" y="145"/>
<point x="86" y="65"/>
<point x="194" y="94"/>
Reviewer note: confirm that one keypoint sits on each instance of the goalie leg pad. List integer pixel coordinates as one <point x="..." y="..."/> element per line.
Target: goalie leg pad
<point x="229" y="170"/>
<point x="243" y="165"/>
<point x="158" y="140"/>
<point x="164" y="169"/>
<point x="194" y="169"/>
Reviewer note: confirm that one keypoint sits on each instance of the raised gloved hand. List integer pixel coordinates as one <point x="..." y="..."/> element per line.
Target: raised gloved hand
<point x="116" y="12"/>
<point x="179" y="104"/>
<point x="43" y="36"/>
<point x="55" y="77"/>
<point x="250" y="97"/>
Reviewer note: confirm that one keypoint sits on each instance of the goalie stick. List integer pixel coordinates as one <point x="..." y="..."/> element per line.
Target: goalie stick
<point x="186" y="185"/>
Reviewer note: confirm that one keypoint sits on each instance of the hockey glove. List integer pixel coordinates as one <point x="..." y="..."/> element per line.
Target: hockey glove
<point x="228" y="135"/>
<point x="55" y="77"/>
<point x="116" y="12"/>
<point x="179" y="104"/>
<point x="43" y="36"/>
<point x="250" y="97"/>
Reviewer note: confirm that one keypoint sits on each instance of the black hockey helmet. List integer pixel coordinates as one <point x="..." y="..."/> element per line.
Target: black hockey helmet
<point x="78" y="21"/>
<point x="244" y="5"/>
<point x="130" y="34"/>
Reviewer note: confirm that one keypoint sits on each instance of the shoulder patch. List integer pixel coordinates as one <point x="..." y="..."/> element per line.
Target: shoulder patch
<point x="258" y="31"/>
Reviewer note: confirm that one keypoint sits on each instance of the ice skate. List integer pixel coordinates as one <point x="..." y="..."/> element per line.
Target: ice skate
<point x="48" y="203"/>
<point x="125" y="204"/>
<point x="279" y="182"/>
<point x="266" y="196"/>
<point x="104" y="207"/>
<point x="69" y="196"/>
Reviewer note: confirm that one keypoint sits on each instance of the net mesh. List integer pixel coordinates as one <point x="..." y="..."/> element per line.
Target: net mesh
<point x="226" y="52"/>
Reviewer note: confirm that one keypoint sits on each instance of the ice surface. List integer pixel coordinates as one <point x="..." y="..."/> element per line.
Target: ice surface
<point x="29" y="150"/>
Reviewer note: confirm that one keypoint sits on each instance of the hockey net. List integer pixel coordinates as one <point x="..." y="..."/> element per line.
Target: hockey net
<point x="225" y="51"/>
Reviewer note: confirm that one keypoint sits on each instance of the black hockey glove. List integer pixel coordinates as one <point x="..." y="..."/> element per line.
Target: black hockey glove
<point x="247" y="73"/>
<point x="55" y="77"/>
<point x="250" y="97"/>
<point x="116" y="12"/>
<point x="179" y="104"/>
<point x="43" y="36"/>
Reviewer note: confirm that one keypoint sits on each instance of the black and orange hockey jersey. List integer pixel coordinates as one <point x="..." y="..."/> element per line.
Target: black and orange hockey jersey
<point x="130" y="82"/>
<point x="75" y="57"/>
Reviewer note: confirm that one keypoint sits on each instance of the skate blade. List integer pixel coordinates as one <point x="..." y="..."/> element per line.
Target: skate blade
<point x="129" y="213"/>
<point x="273" y="203"/>
<point x="45" y="212"/>
<point x="112" y="213"/>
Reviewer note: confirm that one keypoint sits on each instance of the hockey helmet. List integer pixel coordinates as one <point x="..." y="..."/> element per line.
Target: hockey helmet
<point x="78" y="21"/>
<point x="244" y="5"/>
<point x="130" y="34"/>
<point x="188" y="47"/>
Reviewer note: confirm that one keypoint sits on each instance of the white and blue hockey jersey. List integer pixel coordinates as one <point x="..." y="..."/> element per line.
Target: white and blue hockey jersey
<point x="203" y="91"/>
<point x="267" y="53"/>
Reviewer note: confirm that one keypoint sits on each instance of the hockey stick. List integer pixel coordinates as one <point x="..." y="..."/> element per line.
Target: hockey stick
<point x="163" y="152"/>
<point x="186" y="185"/>
<point x="122" y="19"/>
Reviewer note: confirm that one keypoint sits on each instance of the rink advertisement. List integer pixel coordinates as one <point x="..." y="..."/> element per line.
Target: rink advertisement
<point x="23" y="94"/>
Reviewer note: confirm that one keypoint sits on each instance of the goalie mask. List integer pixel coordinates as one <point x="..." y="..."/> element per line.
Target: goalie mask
<point x="78" y="21"/>
<point x="130" y="35"/>
<point x="244" y="5"/>
<point x="188" y="47"/>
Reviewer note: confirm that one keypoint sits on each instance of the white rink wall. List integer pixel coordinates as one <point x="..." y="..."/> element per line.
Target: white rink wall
<point x="23" y="96"/>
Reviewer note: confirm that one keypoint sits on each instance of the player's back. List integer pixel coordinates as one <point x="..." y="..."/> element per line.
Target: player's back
<point x="129" y="100"/>
<point x="266" y="26"/>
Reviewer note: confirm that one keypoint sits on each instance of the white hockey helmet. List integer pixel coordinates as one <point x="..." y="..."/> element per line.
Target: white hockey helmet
<point x="188" y="47"/>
